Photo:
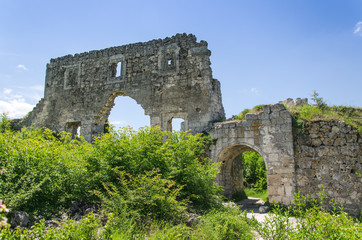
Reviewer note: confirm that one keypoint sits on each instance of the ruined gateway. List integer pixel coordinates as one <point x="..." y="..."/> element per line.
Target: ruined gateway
<point x="172" y="78"/>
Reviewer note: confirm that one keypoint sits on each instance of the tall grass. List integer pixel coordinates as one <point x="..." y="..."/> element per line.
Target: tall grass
<point x="311" y="221"/>
<point x="306" y="113"/>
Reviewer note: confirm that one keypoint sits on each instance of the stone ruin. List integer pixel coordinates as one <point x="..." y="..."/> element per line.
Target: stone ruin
<point x="169" y="78"/>
<point x="296" y="102"/>
<point x="172" y="78"/>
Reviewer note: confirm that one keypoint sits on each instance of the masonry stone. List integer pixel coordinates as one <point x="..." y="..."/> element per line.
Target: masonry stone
<point x="172" y="78"/>
<point x="169" y="78"/>
<point x="333" y="166"/>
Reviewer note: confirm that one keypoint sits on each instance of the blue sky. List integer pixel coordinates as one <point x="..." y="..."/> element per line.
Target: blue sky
<point x="263" y="51"/>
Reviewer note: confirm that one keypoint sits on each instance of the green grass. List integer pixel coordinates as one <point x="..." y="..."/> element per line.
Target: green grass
<point x="241" y="116"/>
<point x="308" y="113"/>
<point x="312" y="221"/>
<point x="251" y="192"/>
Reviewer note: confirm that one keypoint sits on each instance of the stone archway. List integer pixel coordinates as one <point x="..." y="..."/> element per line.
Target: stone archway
<point x="270" y="134"/>
<point x="231" y="169"/>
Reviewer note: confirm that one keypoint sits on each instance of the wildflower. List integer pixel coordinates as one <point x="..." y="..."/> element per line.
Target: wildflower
<point x="3" y="223"/>
<point x="3" y="207"/>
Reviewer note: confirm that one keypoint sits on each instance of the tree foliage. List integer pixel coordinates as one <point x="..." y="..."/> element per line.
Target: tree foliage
<point x="42" y="171"/>
<point x="254" y="171"/>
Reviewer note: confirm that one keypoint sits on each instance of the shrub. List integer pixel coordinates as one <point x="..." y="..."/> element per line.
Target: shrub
<point x="177" y="156"/>
<point x="318" y="100"/>
<point x="4" y="122"/>
<point x="227" y="224"/>
<point x="144" y="198"/>
<point x="40" y="172"/>
<point x="312" y="221"/>
<point x="43" y="171"/>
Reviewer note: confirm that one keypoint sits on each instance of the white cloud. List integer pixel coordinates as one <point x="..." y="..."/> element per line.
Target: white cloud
<point x="254" y="91"/>
<point x="358" y="29"/>
<point x="21" y="66"/>
<point x="15" y="108"/>
<point x="119" y="123"/>
<point x="250" y="91"/>
<point x="7" y="90"/>
<point x="14" y="103"/>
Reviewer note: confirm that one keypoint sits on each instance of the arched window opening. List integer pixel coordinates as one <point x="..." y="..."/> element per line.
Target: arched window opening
<point x="127" y="113"/>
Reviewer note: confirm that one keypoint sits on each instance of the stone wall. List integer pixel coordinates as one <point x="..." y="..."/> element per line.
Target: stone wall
<point x="270" y="134"/>
<point x="328" y="155"/>
<point x="169" y="78"/>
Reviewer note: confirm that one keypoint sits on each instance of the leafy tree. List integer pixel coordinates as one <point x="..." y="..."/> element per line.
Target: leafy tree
<point x="254" y="170"/>
<point x="4" y="122"/>
<point x="318" y="100"/>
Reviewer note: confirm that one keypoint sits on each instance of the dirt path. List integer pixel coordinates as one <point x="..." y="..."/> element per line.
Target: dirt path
<point x="251" y="204"/>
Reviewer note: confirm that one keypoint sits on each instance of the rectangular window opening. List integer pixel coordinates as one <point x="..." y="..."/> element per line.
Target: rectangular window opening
<point x="119" y="69"/>
<point x="74" y="128"/>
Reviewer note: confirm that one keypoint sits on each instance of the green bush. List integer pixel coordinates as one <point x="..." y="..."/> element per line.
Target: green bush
<point x="143" y="181"/>
<point x="4" y="123"/>
<point x="313" y="221"/>
<point x="39" y="171"/>
<point x="144" y="197"/>
<point x="254" y="171"/>
<point x="227" y="224"/>
<point x="177" y="156"/>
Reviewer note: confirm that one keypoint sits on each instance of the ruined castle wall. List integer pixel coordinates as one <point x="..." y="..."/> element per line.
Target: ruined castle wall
<point x="169" y="78"/>
<point x="328" y="155"/>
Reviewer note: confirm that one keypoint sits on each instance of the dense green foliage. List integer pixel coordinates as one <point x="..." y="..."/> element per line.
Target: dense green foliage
<point x="223" y="224"/>
<point x="144" y="182"/>
<point x="311" y="221"/>
<point x="254" y="171"/>
<point x="4" y="123"/>
<point x="42" y="171"/>
<point x="39" y="172"/>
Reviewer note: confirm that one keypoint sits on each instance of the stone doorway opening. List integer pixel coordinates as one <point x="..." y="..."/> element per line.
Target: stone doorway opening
<point x="234" y="160"/>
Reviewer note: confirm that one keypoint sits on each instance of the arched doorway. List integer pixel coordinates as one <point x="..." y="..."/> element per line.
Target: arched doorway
<point x="231" y="176"/>
<point x="127" y="113"/>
